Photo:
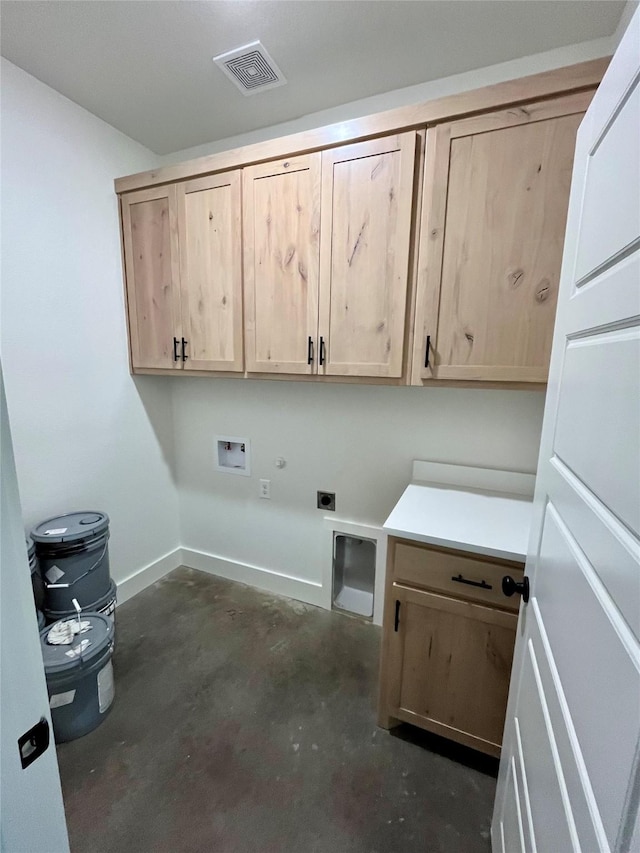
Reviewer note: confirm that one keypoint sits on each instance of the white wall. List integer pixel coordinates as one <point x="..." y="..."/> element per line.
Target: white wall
<point x="110" y="439"/>
<point x="412" y="95"/>
<point x="358" y="441"/>
<point x="86" y="435"/>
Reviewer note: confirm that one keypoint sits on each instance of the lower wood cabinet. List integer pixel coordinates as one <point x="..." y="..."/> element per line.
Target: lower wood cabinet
<point x="447" y="644"/>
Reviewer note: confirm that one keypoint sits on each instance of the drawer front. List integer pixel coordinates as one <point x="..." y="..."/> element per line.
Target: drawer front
<point x="472" y="578"/>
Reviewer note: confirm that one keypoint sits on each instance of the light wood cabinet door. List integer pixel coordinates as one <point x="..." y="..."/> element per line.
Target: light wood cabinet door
<point x="210" y="229"/>
<point x="151" y="258"/>
<point x="449" y="666"/>
<point x="496" y="192"/>
<point x="281" y="256"/>
<point x="367" y="200"/>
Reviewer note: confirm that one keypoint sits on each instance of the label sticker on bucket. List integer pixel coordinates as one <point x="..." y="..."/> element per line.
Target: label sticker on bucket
<point x="77" y="650"/>
<point x="106" y="687"/>
<point x="58" y="700"/>
<point x="54" y="574"/>
<point x="55" y="531"/>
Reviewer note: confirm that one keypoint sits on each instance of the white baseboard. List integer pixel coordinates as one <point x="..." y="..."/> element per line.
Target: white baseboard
<point x="144" y="577"/>
<point x="269" y="581"/>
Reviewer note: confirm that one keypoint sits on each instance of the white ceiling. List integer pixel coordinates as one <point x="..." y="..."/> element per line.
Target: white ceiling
<point x="146" y="67"/>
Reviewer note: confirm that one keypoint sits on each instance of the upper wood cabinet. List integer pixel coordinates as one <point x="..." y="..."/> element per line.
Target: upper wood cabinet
<point x="183" y="264"/>
<point x="496" y="191"/>
<point x="415" y="256"/>
<point x="281" y="258"/>
<point x="365" y="231"/>
<point x="210" y="233"/>
<point x="151" y="257"/>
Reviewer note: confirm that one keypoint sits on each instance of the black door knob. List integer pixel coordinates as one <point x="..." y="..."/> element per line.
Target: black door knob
<point x="509" y="586"/>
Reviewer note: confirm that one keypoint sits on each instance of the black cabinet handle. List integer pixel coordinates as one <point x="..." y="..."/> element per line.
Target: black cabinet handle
<point x="310" y="350"/>
<point x="322" y="354"/>
<point x="184" y="345"/>
<point x="481" y="584"/>
<point x="396" y="621"/>
<point x="175" y="349"/>
<point x="509" y="587"/>
<point x="426" y="352"/>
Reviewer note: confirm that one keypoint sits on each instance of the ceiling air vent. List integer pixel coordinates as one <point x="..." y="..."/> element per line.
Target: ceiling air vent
<point x="251" y="68"/>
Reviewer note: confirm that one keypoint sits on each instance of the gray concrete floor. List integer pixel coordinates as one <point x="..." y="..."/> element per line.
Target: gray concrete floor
<point x="246" y="722"/>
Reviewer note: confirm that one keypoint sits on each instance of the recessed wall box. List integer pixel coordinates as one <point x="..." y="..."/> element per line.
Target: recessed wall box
<point x="233" y="455"/>
<point x="354" y="571"/>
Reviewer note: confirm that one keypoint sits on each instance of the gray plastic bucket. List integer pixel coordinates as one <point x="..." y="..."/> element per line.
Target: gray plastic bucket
<point x="73" y="552"/>
<point x="36" y="578"/>
<point x="41" y="620"/>
<point x="105" y="605"/>
<point x="80" y="682"/>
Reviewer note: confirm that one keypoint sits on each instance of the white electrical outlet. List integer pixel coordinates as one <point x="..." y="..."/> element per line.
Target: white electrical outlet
<point x="265" y="489"/>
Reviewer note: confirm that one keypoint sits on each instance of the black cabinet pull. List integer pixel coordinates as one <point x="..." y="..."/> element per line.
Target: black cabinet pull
<point x="426" y="352"/>
<point x="481" y="584"/>
<point x="310" y="350"/>
<point x="184" y="345"/>
<point x="175" y="349"/>
<point x="322" y="356"/>
<point x="509" y="587"/>
<point x="396" y="621"/>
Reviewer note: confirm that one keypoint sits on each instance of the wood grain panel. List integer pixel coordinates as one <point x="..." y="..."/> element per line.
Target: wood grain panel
<point x="150" y="235"/>
<point x="367" y="196"/>
<point x="435" y="568"/>
<point x="507" y="209"/>
<point x="492" y="240"/>
<point x="456" y="665"/>
<point x="281" y="258"/>
<point x="209" y="217"/>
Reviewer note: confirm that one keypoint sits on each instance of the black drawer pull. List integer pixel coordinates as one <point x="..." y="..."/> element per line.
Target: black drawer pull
<point x="310" y="350"/>
<point x="396" y="621"/>
<point x="481" y="584"/>
<point x="176" y="343"/>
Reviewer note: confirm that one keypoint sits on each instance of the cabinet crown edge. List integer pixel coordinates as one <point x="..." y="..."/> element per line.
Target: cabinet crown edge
<point x="546" y="84"/>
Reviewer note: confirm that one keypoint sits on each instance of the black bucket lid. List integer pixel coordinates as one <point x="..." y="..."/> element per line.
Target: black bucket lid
<point x="57" y="658"/>
<point x="72" y="527"/>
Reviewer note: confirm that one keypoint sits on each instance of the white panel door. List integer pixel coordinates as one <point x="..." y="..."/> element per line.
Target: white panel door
<point x="31" y="809"/>
<point x="570" y="770"/>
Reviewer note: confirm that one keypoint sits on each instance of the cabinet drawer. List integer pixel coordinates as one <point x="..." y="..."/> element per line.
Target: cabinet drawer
<point x="473" y="578"/>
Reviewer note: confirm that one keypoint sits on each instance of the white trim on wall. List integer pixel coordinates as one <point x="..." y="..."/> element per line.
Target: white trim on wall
<point x="147" y="575"/>
<point x="265" y="579"/>
<point x="300" y="589"/>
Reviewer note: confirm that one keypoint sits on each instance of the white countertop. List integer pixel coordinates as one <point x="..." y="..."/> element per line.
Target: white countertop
<point x="482" y="521"/>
